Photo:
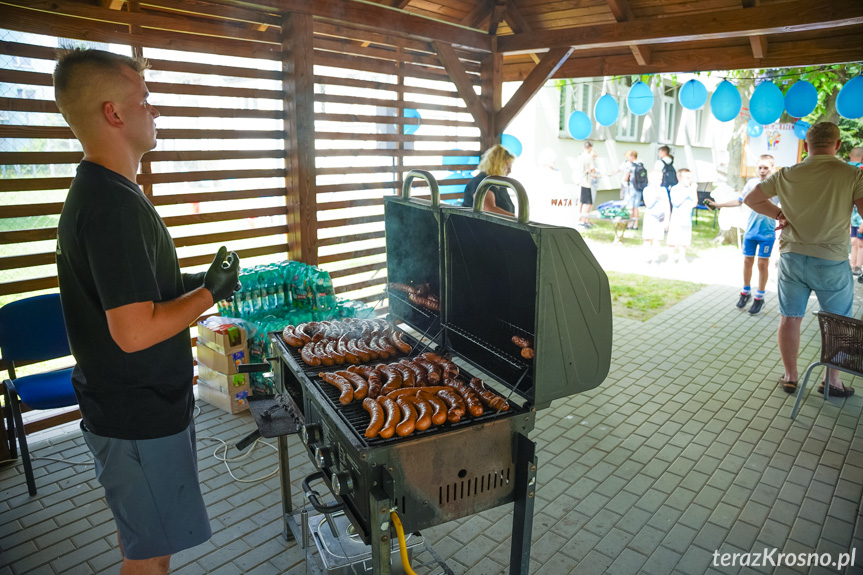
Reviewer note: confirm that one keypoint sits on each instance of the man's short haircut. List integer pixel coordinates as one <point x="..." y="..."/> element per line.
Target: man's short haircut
<point x="588" y="144"/>
<point x="823" y="135"/>
<point x="632" y="153"/>
<point x="79" y="70"/>
<point x="665" y="149"/>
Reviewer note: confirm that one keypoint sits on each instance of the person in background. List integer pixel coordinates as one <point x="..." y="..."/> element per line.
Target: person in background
<point x="496" y="161"/>
<point x="665" y="164"/>
<point x="816" y="197"/>
<point x="585" y="168"/>
<point x="128" y="309"/>
<point x="758" y="239"/>
<point x="855" y="158"/>
<point x="684" y="196"/>
<point x="657" y="215"/>
<point x="625" y="176"/>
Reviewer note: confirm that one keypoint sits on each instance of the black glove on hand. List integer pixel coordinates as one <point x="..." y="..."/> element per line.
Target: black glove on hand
<point x="224" y="275"/>
<point x="193" y="281"/>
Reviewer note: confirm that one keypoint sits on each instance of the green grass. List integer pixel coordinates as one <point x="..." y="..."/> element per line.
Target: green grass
<point x="703" y="234"/>
<point x="642" y="297"/>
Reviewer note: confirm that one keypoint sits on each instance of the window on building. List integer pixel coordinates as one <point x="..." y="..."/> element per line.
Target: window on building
<point x="575" y="97"/>
<point x="627" y="123"/>
<point x="669" y="114"/>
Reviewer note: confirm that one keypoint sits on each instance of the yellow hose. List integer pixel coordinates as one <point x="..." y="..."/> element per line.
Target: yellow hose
<point x="403" y="547"/>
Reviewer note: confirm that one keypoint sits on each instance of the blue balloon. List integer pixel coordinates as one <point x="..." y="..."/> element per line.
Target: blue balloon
<point x="692" y="95"/>
<point x="411" y="128"/>
<point x="459" y="160"/>
<point x="640" y="98"/>
<point x="726" y="102"/>
<point x="753" y="128"/>
<point x="767" y="103"/>
<point x="800" y="129"/>
<point x="801" y="99"/>
<point x="849" y="102"/>
<point x="512" y="144"/>
<point x="579" y="125"/>
<point x="606" y="110"/>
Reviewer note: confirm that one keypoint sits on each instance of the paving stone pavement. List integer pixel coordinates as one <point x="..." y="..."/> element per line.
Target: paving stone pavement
<point x="686" y="449"/>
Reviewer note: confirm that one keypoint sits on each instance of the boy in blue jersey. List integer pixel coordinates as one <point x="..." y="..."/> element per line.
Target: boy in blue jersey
<point x="757" y="241"/>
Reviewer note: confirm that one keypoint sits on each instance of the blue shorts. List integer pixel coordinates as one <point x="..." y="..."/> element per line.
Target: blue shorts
<point x="800" y="275"/>
<point x="634" y="198"/>
<point x="152" y="488"/>
<point x="759" y="247"/>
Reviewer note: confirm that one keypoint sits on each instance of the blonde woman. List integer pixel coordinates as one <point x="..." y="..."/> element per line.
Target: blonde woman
<point x="496" y="161"/>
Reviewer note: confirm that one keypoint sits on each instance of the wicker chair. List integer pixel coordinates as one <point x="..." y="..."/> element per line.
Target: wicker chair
<point x="841" y="348"/>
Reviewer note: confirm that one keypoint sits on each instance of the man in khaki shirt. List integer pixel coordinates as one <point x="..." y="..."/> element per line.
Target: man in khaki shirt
<point x="816" y="197"/>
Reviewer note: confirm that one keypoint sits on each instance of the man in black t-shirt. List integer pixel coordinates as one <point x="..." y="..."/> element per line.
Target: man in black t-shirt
<point x="128" y="310"/>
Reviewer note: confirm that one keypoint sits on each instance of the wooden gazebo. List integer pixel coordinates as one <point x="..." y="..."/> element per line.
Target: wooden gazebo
<point x="283" y="121"/>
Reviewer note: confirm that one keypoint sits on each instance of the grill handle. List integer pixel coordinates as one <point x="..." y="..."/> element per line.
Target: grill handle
<point x="256" y="367"/>
<point x="313" y="495"/>
<point x="422" y="175"/>
<point x="523" y="213"/>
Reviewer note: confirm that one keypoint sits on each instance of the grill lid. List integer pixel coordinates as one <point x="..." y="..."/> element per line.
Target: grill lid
<point x="506" y="278"/>
<point x="413" y="240"/>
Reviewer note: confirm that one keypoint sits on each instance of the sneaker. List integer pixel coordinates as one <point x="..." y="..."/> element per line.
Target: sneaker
<point x="856" y="270"/>
<point x="757" y="304"/>
<point x="860" y="279"/>
<point x="744" y="299"/>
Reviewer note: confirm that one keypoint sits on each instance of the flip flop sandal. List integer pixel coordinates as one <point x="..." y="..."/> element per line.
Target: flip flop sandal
<point x="788" y="386"/>
<point x="836" y="392"/>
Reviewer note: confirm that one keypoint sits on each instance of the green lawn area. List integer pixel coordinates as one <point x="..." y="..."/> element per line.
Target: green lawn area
<point x="642" y="297"/>
<point x="703" y="233"/>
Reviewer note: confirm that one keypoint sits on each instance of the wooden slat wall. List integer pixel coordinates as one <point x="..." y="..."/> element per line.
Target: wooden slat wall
<point x="363" y="83"/>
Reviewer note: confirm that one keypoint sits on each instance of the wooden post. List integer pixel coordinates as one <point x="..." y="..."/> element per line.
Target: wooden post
<point x="491" y="74"/>
<point x="298" y="84"/>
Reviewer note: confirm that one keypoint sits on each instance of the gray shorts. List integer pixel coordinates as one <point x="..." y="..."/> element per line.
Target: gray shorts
<point x="152" y="488"/>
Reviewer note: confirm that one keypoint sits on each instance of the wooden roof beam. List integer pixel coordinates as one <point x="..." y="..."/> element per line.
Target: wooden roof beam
<point x="759" y="46"/>
<point x="496" y="16"/>
<point x="517" y="23"/>
<point x="368" y="16"/>
<point x="794" y="16"/>
<point x="479" y="13"/>
<point x="641" y="54"/>
<point x="112" y="4"/>
<point x="548" y="65"/>
<point x="400" y="4"/>
<point x="463" y="84"/>
<point x="623" y="13"/>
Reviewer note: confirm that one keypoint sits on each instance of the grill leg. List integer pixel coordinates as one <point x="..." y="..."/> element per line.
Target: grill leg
<point x="285" y="479"/>
<point x="380" y="532"/>
<point x="522" y="515"/>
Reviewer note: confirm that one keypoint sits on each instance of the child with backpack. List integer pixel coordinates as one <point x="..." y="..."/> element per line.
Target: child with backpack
<point x="665" y="164"/>
<point x="637" y="183"/>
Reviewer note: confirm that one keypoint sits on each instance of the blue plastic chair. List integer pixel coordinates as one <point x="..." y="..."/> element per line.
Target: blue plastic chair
<point x="33" y="330"/>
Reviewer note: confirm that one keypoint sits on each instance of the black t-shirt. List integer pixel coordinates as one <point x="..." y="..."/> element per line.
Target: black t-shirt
<point x="501" y="196"/>
<point x="113" y="249"/>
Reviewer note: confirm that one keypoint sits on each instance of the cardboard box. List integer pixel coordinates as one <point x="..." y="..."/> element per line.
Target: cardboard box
<point x="235" y="402"/>
<point x="228" y="339"/>
<point x="222" y="381"/>
<point x="226" y="364"/>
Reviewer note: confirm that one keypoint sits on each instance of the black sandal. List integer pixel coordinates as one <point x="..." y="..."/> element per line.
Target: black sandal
<point x="836" y="392"/>
<point x="788" y="386"/>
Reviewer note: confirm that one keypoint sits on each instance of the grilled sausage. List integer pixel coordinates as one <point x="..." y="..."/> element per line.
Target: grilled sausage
<point x="470" y="396"/>
<point x="377" y="414"/>
<point x="384" y="343"/>
<point x="420" y="375"/>
<point x="520" y="341"/>
<point x="365" y="350"/>
<point x="403" y="392"/>
<point x="316" y="330"/>
<point x="300" y="332"/>
<point x="372" y="377"/>
<point x="351" y="346"/>
<point x="345" y="387"/>
<point x="321" y="352"/>
<point x="489" y="398"/>
<point x="350" y="356"/>
<point x="455" y="404"/>
<point x="393" y="377"/>
<point x="393" y="414"/>
<point x="291" y="338"/>
<point x="527" y="352"/>
<point x="432" y="372"/>
<point x="409" y="417"/>
<point x="440" y="409"/>
<point x="361" y="386"/>
<point x="373" y="345"/>
<point x="399" y="343"/>
<point x="333" y="352"/>
<point x="308" y="355"/>
<point x="404" y="288"/>
<point x="424" y="411"/>
<point x="408" y="377"/>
